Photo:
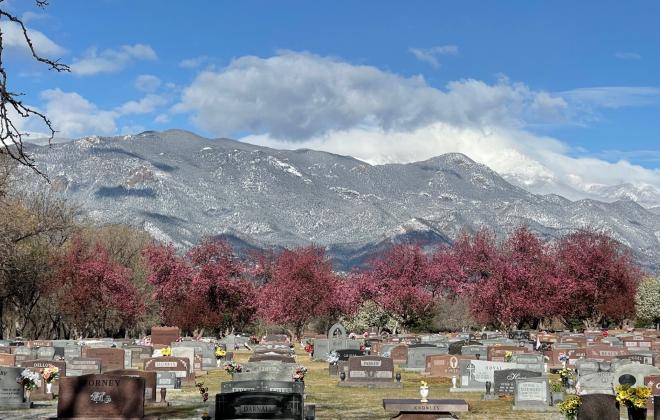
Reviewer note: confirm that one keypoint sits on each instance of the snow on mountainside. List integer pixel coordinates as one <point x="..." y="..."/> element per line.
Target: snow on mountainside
<point x="181" y="188"/>
<point x="645" y="195"/>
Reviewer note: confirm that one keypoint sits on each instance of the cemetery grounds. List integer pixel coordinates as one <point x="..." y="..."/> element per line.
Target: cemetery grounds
<point x="332" y="402"/>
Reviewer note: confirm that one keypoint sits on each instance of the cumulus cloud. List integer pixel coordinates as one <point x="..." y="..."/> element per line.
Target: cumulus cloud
<point x="144" y="106"/>
<point x="111" y="60"/>
<point x="72" y="115"/>
<point x="299" y="100"/>
<point x="431" y="55"/>
<point x="147" y="83"/>
<point x="297" y="95"/>
<point x="13" y="37"/>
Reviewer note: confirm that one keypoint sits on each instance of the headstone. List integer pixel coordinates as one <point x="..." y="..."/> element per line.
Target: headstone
<point x="39" y="366"/>
<point x="531" y="394"/>
<point x="653" y="382"/>
<point x="399" y="353"/>
<point x="596" y="383"/>
<point x="345" y="354"/>
<point x="167" y="380"/>
<point x="274" y="357"/>
<point x="164" y="336"/>
<point x="82" y="366"/>
<point x="529" y="361"/>
<point x="504" y="380"/>
<point x="187" y="353"/>
<point x="337" y="331"/>
<point x="497" y="353"/>
<point x="7" y="360"/>
<point x="169" y="364"/>
<point x="72" y="352"/>
<point x="101" y="395"/>
<point x="259" y="404"/>
<point x="268" y="386"/>
<point x="634" y="373"/>
<point x="475" y="373"/>
<point x="605" y="353"/>
<point x="39" y="343"/>
<point x="205" y="350"/>
<point x="11" y="392"/>
<point x="150" y="390"/>
<point x="111" y="358"/>
<point x="417" y="357"/>
<point x="599" y="406"/>
<point x="457" y="346"/>
<point x="24" y="353"/>
<point x="370" y="369"/>
<point x="45" y="353"/>
<point x="444" y="365"/>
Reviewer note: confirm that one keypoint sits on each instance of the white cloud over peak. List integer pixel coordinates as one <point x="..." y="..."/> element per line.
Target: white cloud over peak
<point x="13" y="37"/>
<point x="147" y="104"/>
<point x="296" y="100"/>
<point x="431" y="55"/>
<point x="72" y="115"/>
<point x="111" y="60"/>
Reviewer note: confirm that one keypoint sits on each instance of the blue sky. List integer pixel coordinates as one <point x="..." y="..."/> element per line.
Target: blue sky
<point x="580" y="80"/>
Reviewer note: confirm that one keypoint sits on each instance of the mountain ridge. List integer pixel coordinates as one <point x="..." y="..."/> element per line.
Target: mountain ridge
<point x="181" y="187"/>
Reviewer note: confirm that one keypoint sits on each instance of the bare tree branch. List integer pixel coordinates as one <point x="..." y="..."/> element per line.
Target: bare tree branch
<point x="11" y="137"/>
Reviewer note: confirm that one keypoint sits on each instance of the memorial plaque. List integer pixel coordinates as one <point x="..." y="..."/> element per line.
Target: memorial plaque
<point x="259" y="404"/>
<point x="39" y="366"/>
<point x="72" y="352"/>
<point x="39" y="343"/>
<point x="417" y="356"/>
<point x="605" y="353"/>
<point x="101" y="395"/>
<point x="505" y="380"/>
<point x="596" y="383"/>
<point x="475" y="373"/>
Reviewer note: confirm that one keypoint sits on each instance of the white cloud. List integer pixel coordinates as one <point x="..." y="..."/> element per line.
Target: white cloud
<point x="296" y="100"/>
<point x="144" y="106"/>
<point x="162" y="119"/>
<point x="297" y="95"/>
<point x="72" y="115"/>
<point x="431" y="55"/>
<point x="147" y="83"/>
<point x="627" y="55"/>
<point x="110" y="60"/>
<point x="12" y="37"/>
<point x="194" y="62"/>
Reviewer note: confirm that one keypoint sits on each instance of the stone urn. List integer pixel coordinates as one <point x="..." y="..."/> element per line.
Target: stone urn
<point x="424" y="393"/>
<point x="453" y="381"/>
<point x="342" y="375"/>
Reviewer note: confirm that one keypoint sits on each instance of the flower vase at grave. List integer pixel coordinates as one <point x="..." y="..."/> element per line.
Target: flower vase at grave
<point x="49" y="387"/>
<point x="424" y="392"/>
<point x="636" y="413"/>
<point x="27" y="395"/>
<point x="398" y="377"/>
<point x="488" y="385"/>
<point x="453" y="382"/>
<point x="163" y="393"/>
<point x="342" y="376"/>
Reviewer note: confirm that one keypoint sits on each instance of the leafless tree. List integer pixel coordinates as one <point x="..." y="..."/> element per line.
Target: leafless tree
<point x="11" y="137"/>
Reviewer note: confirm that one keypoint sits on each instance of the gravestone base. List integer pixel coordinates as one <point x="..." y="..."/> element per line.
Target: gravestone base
<point x="42" y="397"/>
<point x="411" y="409"/>
<point x="538" y="408"/>
<point x="17" y="406"/>
<point x="459" y="389"/>
<point x="370" y="385"/>
<point x="417" y="370"/>
<point x="489" y="397"/>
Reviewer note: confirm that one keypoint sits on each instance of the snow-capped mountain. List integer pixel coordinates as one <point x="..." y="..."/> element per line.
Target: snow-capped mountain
<point x="181" y="188"/>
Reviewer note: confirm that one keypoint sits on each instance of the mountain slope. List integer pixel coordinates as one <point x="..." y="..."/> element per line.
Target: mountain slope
<point x="181" y="187"/>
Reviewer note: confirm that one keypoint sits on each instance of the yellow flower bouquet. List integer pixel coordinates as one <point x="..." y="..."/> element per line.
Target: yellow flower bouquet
<point x="570" y="406"/>
<point x="633" y="396"/>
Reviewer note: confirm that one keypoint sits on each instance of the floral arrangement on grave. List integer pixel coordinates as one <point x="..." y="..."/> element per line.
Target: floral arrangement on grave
<point x="220" y="353"/>
<point x="203" y="391"/>
<point x="570" y="406"/>
<point x="563" y="358"/>
<point x="299" y="374"/>
<point x="309" y="345"/>
<point x="333" y="358"/>
<point x="566" y="373"/>
<point x="50" y="374"/>
<point x="424" y="391"/>
<point x="30" y="381"/>
<point x="508" y="355"/>
<point x="167" y="351"/>
<point x="633" y="397"/>
<point x="232" y="367"/>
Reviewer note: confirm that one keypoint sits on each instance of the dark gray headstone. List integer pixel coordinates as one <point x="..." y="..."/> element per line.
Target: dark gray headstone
<point x="268" y="386"/>
<point x="258" y="404"/>
<point x="599" y="406"/>
<point x="11" y="392"/>
<point x="505" y="380"/>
